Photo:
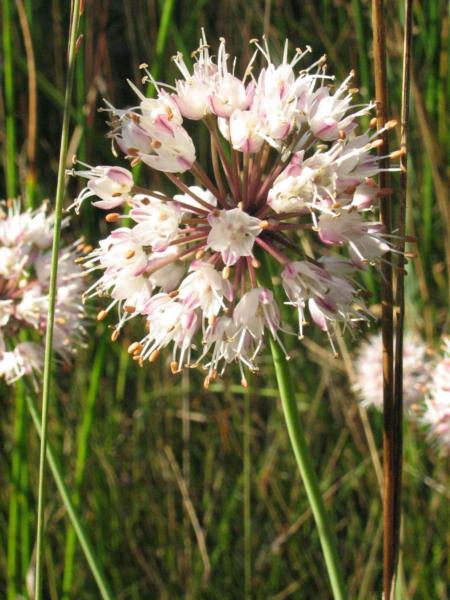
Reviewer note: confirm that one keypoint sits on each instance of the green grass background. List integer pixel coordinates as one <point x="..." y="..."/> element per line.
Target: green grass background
<point x="154" y="462"/>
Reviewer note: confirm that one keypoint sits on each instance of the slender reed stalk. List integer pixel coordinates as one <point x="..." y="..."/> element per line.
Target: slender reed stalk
<point x="10" y="170"/>
<point x="247" y="498"/>
<point x="400" y="292"/>
<point x="32" y="103"/>
<point x="24" y="509"/>
<point x="10" y="122"/>
<point x="303" y="457"/>
<point x="13" y="510"/>
<point x="30" y="187"/>
<point x="364" y="68"/>
<point x="72" y="50"/>
<point x="163" y="34"/>
<point x="80" y="464"/>
<point x="21" y="448"/>
<point x="389" y="439"/>
<point x="80" y="95"/>
<point x="83" y="538"/>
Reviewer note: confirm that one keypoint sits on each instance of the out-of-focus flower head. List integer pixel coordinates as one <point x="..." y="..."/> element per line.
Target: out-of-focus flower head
<point x="368" y="383"/>
<point x="25" y="243"/>
<point x="287" y="164"/>
<point x="436" y="413"/>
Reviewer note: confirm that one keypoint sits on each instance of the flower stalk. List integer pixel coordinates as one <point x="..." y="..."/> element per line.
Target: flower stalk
<point x="72" y="51"/>
<point x="400" y="275"/>
<point x="305" y="463"/>
<point x="84" y="431"/>
<point x="17" y="464"/>
<point x="10" y="122"/>
<point x="390" y="441"/>
<point x="85" y="543"/>
<point x="308" y="475"/>
<point x="247" y="476"/>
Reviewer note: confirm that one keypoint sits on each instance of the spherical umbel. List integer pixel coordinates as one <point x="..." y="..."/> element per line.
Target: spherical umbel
<point x="289" y="171"/>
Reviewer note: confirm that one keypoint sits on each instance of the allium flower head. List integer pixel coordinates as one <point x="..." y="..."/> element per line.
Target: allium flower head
<point x="368" y="382"/>
<point x="286" y="165"/>
<point x="437" y="405"/>
<point x="25" y="240"/>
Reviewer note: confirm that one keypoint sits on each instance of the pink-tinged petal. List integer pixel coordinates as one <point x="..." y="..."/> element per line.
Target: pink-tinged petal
<point x="326" y="130"/>
<point x="119" y="175"/>
<point x="317" y="315"/>
<point x="250" y="92"/>
<point x="108" y="204"/>
<point x="219" y="108"/>
<point x="184" y="164"/>
<point x="163" y="123"/>
<point x="123" y="233"/>
<point x="330" y="238"/>
<point x="229" y="257"/>
<point x="364" y="196"/>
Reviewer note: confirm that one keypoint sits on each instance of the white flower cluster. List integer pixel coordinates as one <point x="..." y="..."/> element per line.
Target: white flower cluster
<point x="287" y="164"/>
<point x="368" y="383"/>
<point x="437" y="404"/>
<point x="25" y="241"/>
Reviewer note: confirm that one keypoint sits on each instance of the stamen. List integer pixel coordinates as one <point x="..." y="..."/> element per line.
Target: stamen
<point x="112" y="217"/>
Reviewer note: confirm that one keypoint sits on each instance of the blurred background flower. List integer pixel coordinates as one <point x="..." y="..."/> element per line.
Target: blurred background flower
<point x="368" y="366"/>
<point x="25" y="242"/>
<point x="437" y="405"/>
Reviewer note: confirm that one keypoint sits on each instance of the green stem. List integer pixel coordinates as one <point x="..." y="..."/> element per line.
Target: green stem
<point x="309" y="477"/>
<point x="24" y="513"/>
<point x="80" y="95"/>
<point x="25" y="552"/>
<point x="80" y="465"/>
<point x="18" y="464"/>
<point x="247" y="499"/>
<point x="30" y="178"/>
<point x="13" y="511"/>
<point x="10" y="123"/>
<point x="163" y="34"/>
<point x="303" y="457"/>
<point x="361" y="36"/>
<point x="72" y="50"/>
<point x="85" y="542"/>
